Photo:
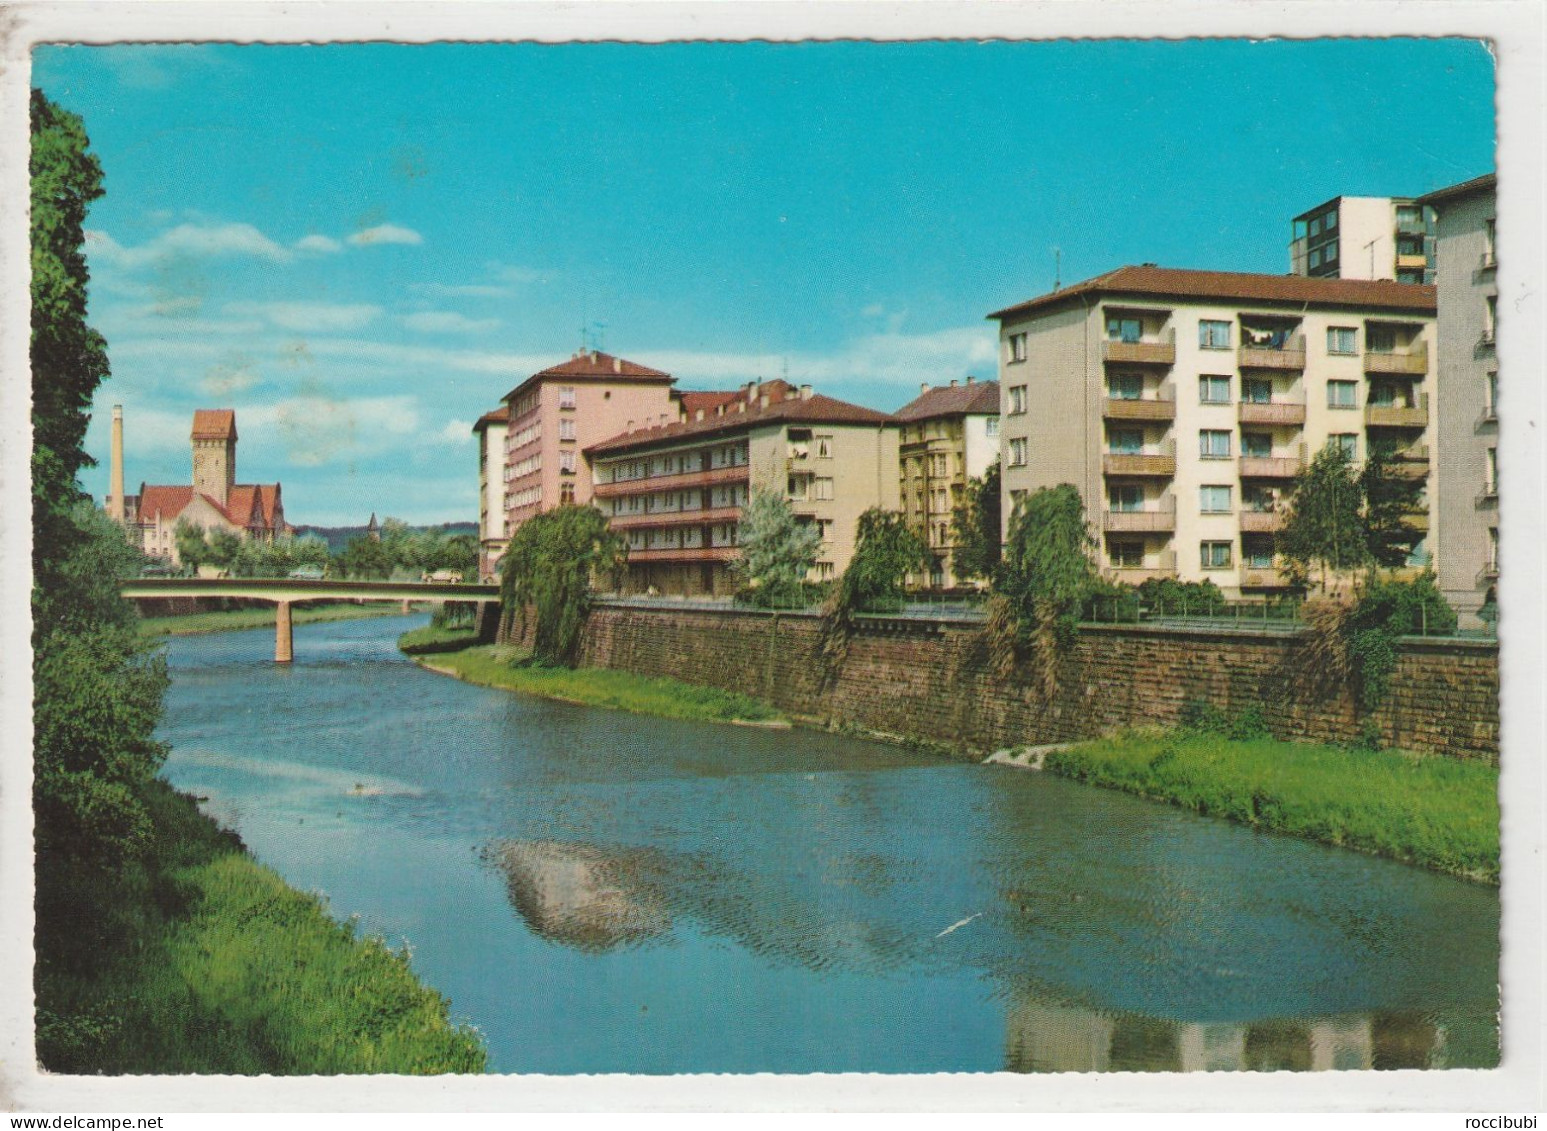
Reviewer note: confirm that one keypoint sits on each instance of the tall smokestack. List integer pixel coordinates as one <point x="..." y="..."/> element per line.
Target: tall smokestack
<point x="115" y="496"/>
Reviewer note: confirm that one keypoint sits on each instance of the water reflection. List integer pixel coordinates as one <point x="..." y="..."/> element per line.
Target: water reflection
<point x="581" y="896"/>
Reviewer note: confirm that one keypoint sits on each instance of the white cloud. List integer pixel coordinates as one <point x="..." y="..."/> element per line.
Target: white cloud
<point x="448" y="322"/>
<point x="187" y="241"/>
<point x="325" y="245"/>
<point x="317" y="429"/>
<point x="519" y="276"/>
<point x="309" y="317"/>
<point x="386" y="233"/>
<point x="457" y="431"/>
<point x="469" y="290"/>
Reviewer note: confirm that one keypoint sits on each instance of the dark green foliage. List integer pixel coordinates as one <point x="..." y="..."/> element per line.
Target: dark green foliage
<point x="976" y="526"/>
<point x="1111" y="601"/>
<point x="549" y="567"/>
<point x="403" y="551"/>
<point x="886" y="550"/>
<point x="777" y="552"/>
<point x="1388" y="501"/>
<point x="1169" y="597"/>
<point x="1385" y="611"/>
<point x="1199" y="716"/>
<point x="1324" y="526"/>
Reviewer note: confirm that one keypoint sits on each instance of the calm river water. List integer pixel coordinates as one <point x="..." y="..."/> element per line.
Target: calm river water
<point x="600" y="892"/>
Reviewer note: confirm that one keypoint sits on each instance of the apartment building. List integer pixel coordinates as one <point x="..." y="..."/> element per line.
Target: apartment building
<point x="1182" y="404"/>
<point x="554" y="414"/>
<point x="492" y="429"/>
<point x="1364" y="237"/>
<point x="1467" y="395"/>
<point x="947" y="435"/>
<point x="676" y="490"/>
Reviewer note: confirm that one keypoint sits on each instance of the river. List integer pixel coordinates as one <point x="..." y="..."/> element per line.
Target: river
<point x="602" y="892"/>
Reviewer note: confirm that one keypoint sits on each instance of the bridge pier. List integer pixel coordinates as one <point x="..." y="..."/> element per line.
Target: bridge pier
<point x="284" y="635"/>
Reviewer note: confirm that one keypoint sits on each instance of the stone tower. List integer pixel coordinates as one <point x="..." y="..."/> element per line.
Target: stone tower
<point x="214" y="452"/>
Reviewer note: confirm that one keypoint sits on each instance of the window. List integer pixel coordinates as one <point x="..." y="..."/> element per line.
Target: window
<point x="1342" y="394"/>
<point x="1380" y="339"/>
<point x="1215" y="555"/>
<point x="567" y="428"/>
<point x="824" y="447"/>
<point x="1214" y="500"/>
<point x="991" y="426"/>
<point x="822" y="489"/>
<point x="1410" y="245"/>
<point x="1123" y="441"/>
<point x="1214" y="390"/>
<point x="1491" y="405"/>
<point x="1257" y="445"/>
<point x="567" y="462"/>
<point x="1382" y="396"/>
<point x="1125" y="497"/>
<point x="567" y="396"/>
<point x="1017" y="399"/>
<point x="1491" y="485"/>
<point x="1213" y="444"/>
<point x="1125" y="386"/>
<point x="566" y="492"/>
<point x="1018" y="452"/>
<point x="1493" y="548"/>
<point x="1258" y="554"/>
<point x="1490" y="256"/>
<point x="1258" y="500"/>
<point x="1330" y="253"/>
<point x="1017" y="347"/>
<point x="1490" y="319"/>
<point x="1257" y="390"/>
<point x="1331" y="220"/>
<point x="1407" y="214"/>
<point x="1128" y="330"/>
<point x="1213" y="335"/>
<point x="1126" y="555"/>
<point x="1316" y="257"/>
<point x="1345" y="442"/>
<point x="1340" y="339"/>
<point x="1316" y="226"/>
<point x="1017" y="499"/>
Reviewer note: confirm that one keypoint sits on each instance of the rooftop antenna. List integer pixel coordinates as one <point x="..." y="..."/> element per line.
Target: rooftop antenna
<point x="1058" y="267"/>
<point x="601" y="334"/>
<point x="784" y="370"/>
<point x="583" y="343"/>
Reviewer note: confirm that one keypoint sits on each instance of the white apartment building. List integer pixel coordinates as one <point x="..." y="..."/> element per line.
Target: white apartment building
<point x="1182" y="404"/>
<point x="1467" y="398"/>
<point x="1364" y="237"/>
<point x="492" y="429"/>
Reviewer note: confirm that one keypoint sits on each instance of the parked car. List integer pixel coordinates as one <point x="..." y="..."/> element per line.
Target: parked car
<point x="308" y="573"/>
<point x="160" y="569"/>
<point x="444" y="575"/>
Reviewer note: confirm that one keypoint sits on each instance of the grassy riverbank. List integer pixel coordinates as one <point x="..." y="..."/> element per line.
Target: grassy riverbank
<point x="1440" y="813"/>
<point x="231" y="620"/>
<point x="430" y="640"/>
<point x="510" y="669"/>
<point x="201" y="960"/>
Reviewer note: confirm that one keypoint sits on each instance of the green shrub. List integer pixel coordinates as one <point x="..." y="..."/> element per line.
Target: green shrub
<point x="1385" y="610"/>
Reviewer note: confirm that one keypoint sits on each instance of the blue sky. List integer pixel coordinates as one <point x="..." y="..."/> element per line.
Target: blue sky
<point x="361" y="248"/>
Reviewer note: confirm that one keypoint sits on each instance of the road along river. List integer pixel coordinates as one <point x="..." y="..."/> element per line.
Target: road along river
<point x="602" y="892"/>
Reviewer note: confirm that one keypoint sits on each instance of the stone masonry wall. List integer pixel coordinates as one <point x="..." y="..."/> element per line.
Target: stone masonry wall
<point x="931" y="681"/>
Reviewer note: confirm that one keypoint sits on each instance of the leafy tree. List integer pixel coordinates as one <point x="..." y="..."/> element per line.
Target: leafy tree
<point x="777" y="551"/>
<point x="365" y="558"/>
<point x="549" y="568"/>
<point x="977" y="525"/>
<point x="885" y="551"/>
<point x="1388" y="501"/>
<point x="1386" y="610"/>
<point x="1324" y="526"/>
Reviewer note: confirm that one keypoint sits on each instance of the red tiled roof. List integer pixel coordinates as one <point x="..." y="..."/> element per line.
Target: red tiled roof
<point x="168" y="500"/>
<point x="214" y="424"/>
<point x="708" y="401"/>
<point x="785" y="405"/>
<point x="244" y="497"/>
<point x="589" y="364"/>
<point x="980" y="397"/>
<point x="1177" y="283"/>
<point x="1486" y="182"/>
<point x="499" y="415"/>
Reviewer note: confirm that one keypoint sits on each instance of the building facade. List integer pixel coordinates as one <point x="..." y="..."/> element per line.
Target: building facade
<point x="1182" y="404"/>
<point x="555" y="414"/>
<point x="213" y="501"/>
<point x="1467" y="396"/>
<point x="676" y="491"/>
<point x="492" y="430"/>
<point x="947" y="435"/>
<point x="1364" y="237"/>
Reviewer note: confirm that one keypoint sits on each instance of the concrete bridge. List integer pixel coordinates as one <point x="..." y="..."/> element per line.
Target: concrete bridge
<point x="284" y="592"/>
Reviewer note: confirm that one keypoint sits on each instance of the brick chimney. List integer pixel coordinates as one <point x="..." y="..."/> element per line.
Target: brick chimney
<point x="115" y="497"/>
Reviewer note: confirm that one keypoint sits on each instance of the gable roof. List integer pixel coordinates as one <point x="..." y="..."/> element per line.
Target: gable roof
<point x="745" y="410"/>
<point x="1488" y="182"/>
<point x="169" y="501"/>
<point x="1176" y="283"/>
<point x="977" y="398"/>
<point x="214" y="424"/>
<point x="592" y="365"/>
<point x="708" y="401"/>
<point x="499" y="415"/>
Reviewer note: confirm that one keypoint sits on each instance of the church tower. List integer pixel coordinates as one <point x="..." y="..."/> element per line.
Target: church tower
<point x="214" y="453"/>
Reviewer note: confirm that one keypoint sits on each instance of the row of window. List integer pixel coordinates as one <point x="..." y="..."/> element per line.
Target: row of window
<point x="676" y="502"/>
<point x="810" y="488"/>
<point x="1218" y="334"/>
<point x="526" y="497"/>
<point x="1213" y="443"/>
<point x="680" y="463"/>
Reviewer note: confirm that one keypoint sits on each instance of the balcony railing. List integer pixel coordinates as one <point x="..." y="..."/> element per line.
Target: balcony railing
<point x="685" y="554"/>
<point x="1411" y="463"/>
<point x="1411" y="363"/>
<point x="1291" y="355"/>
<point x="697" y="517"/>
<point x="1397" y="415"/>
<point x="1272" y="467"/>
<point x="1135" y="408"/>
<point x="1263" y="577"/>
<point x="711" y="478"/>
<point x="1411" y="261"/>
<point x="1489" y="572"/>
<point x="1161" y="352"/>
<point x="1164" y="567"/>
<point x="1490" y="260"/>
<point x="1261" y="522"/>
<point x="1271" y="412"/>
<point x="1158" y="519"/>
<point x="1140" y="464"/>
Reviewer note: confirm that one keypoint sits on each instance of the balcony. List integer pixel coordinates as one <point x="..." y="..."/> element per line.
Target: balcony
<point x="1263" y="577"/>
<point x="1489" y="572"/>
<point x="1164" y="567"/>
<point x="1291" y="356"/>
<point x="1261" y="522"/>
<point x="1139" y="464"/>
<point x="1160" y="519"/>
<point x="712" y="478"/>
<point x="1280" y="413"/>
<point x="674" y="518"/>
<point x="1141" y="353"/>
<point x="685" y="554"/>
<point x="1272" y="467"/>
<point x="1489" y="261"/>
<point x="1411" y="463"/>
<point x="1157" y="408"/>
<point x="1398" y="416"/>
<point x="1412" y="363"/>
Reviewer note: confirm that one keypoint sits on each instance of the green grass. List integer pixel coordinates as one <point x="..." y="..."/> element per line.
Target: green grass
<point x="431" y="639"/>
<point x="233" y="619"/>
<point x="511" y="669"/>
<point x="201" y="960"/>
<point x="1440" y="813"/>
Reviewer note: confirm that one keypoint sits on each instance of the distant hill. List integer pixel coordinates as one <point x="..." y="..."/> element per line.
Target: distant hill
<point x="337" y="537"/>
